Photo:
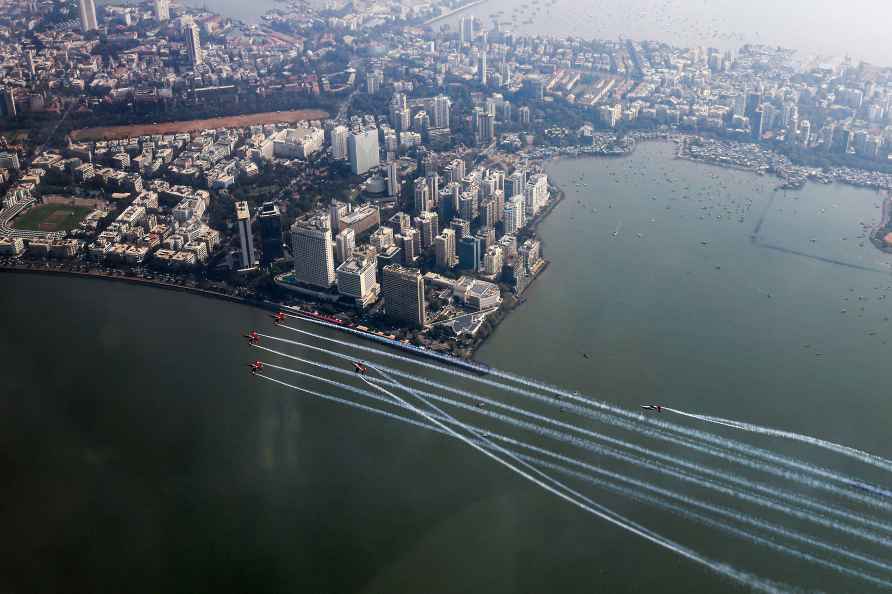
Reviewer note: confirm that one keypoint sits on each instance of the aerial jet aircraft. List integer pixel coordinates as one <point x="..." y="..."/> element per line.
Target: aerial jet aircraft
<point x="360" y="368"/>
<point x="279" y="317"/>
<point x="252" y="337"/>
<point x="656" y="407"/>
<point x="256" y="367"/>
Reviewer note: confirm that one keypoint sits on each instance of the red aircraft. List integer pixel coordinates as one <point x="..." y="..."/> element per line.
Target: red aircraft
<point x="360" y="368"/>
<point x="252" y="337"/>
<point x="279" y="317"/>
<point x="656" y="407"/>
<point x="256" y="367"/>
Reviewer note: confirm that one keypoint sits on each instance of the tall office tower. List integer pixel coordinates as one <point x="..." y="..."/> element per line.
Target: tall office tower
<point x="193" y="44"/>
<point x="345" y="242"/>
<point x="441" y="110"/>
<point x="484" y="125"/>
<point x="162" y="10"/>
<point x="523" y="115"/>
<point x="29" y="61"/>
<point x="469" y="253"/>
<point x="482" y="69"/>
<point x="515" y="184"/>
<point x="339" y="143"/>
<point x="421" y="123"/>
<point x="514" y="215"/>
<point x="88" y="15"/>
<point x="393" y="178"/>
<point x="9" y="107"/>
<point x="270" y="220"/>
<point x="492" y="261"/>
<point x="444" y="248"/>
<point x="466" y="30"/>
<point x="246" y="238"/>
<point x="363" y="149"/>
<point x="422" y="199"/>
<point x="404" y="295"/>
<point x="311" y="246"/>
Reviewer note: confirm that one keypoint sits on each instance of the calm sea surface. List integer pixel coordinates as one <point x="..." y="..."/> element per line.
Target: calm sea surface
<point x="836" y="29"/>
<point x="140" y="456"/>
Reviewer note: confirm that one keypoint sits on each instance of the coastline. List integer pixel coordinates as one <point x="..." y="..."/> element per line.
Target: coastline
<point x="453" y="12"/>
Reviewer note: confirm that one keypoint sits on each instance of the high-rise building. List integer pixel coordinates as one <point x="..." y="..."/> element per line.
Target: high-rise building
<point x="339" y="143"/>
<point x="461" y="228"/>
<point x="363" y="150"/>
<point x="523" y="115"/>
<point x="358" y="279"/>
<point x="270" y="221"/>
<point x="88" y="15"/>
<point x="311" y="246"/>
<point x="410" y="245"/>
<point x="345" y="242"/>
<point x="193" y="44"/>
<point x="9" y="107"/>
<point x="162" y="10"/>
<point x="441" y="111"/>
<point x="246" y="238"/>
<point x="444" y="248"/>
<point x="422" y="197"/>
<point x="404" y="295"/>
<point x="428" y="226"/>
<point x="469" y="253"/>
<point x="482" y="68"/>
<point x="393" y="178"/>
<point x="466" y="30"/>
<point x="514" y="215"/>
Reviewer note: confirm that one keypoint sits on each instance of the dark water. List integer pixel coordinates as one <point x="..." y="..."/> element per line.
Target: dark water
<point x="139" y="455"/>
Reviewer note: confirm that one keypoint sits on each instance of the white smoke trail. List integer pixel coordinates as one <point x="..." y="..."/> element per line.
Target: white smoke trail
<point x="845" y="450"/>
<point x="594" y="403"/>
<point x="651" y="455"/>
<point x="721" y="511"/>
<point x="596" y="509"/>
<point x="613" y="417"/>
<point x="612" y="453"/>
<point x="717" y="566"/>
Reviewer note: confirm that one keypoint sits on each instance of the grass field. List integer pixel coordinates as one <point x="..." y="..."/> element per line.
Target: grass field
<point x="241" y="121"/>
<point x="52" y="217"/>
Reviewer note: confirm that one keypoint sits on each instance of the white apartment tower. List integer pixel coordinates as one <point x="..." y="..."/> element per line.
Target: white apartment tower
<point x="162" y="10"/>
<point x="339" y="143"/>
<point x="363" y="149"/>
<point x="88" y="15"/>
<point x="311" y="246"/>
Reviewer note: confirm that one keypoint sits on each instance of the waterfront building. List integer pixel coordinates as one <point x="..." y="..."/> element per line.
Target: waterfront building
<point x="88" y="15"/>
<point x="246" y="238"/>
<point x="270" y="221"/>
<point x="363" y="150"/>
<point x="515" y="212"/>
<point x="311" y="246"/>
<point x="357" y="279"/>
<point x="404" y="295"/>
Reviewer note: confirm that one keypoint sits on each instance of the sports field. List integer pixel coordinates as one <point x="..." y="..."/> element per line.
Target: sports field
<point x="52" y="217"/>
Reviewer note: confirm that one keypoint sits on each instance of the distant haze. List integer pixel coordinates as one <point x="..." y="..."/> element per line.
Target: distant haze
<point x="858" y="28"/>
